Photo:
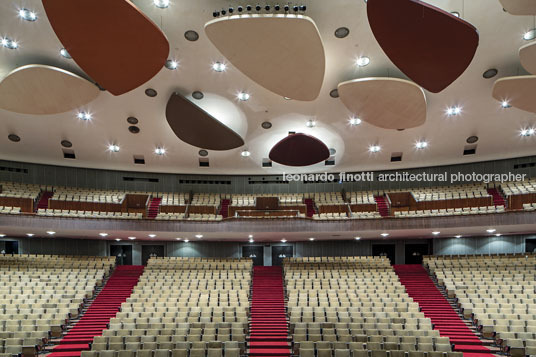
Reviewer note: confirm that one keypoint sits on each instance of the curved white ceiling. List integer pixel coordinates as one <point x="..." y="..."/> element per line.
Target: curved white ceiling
<point x="497" y="128"/>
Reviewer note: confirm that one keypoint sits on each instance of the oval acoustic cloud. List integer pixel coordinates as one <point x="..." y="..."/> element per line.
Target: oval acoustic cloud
<point x="431" y="46"/>
<point x="282" y="53"/>
<point x="388" y="103"/>
<point x="299" y="150"/>
<point x="196" y="127"/>
<point x="39" y="89"/>
<point x="111" y="40"/>
<point x="519" y="7"/>
<point x="518" y="91"/>
<point x="527" y="55"/>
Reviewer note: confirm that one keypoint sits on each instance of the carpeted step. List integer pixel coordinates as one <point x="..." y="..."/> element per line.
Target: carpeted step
<point x="269" y="352"/>
<point x="471" y="348"/>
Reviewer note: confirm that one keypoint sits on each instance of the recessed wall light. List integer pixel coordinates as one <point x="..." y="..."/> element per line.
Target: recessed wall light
<point x="162" y="4"/>
<point x="362" y="61"/>
<point x="152" y="235"/>
<point x="283" y="240"/>
<point x="243" y="96"/>
<point x="354" y="121"/>
<point x="357" y="238"/>
<point x="311" y="239"/>
<point x="9" y="43"/>
<point x="30" y="234"/>
<point x="178" y="238"/>
<point x="186" y="240"/>
<point x="250" y="236"/>
<point x="491" y="230"/>
<point x="103" y="234"/>
<point x="2" y="235"/>
<point x="498" y="235"/>
<point x="245" y="153"/>
<point x="27" y="15"/>
<point x="219" y="67"/>
<point x="84" y="116"/>
<point x="342" y="32"/>
<point x="251" y="241"/>
<point x="171" y="64"/>
<point x="199" y="236"/>
<point x="374" y="148"/>
<point x="113" y="148"/>
<point x="458" y="236"/>
<point x="160" y="151"/>
<point x="421" y="144"/>
<point x="51" y="233"/>
<point x="452" y="111"/>
<point x="118" y="239"/>
<point x="310" y="123"/>
<point x="131" y="238"/>
<point x="436" y="233"/>
<point x="384" y="234"/>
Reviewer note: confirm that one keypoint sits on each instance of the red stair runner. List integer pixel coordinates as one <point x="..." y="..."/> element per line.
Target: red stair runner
<point x="383" y="206"/>
<point x="154" y="207"/>
<point x="498" y="199"/>
<point x="268" y="325"/>
<point x="310" y="207"/>
<point x="224" y="210"/>
<point x="117" y="289"/>
<point x="43" y="201"/>
<point x="433" y="304"/>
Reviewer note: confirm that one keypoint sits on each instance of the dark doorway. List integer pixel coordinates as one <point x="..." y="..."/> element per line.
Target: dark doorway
<point x="12" y="247"/>
<point x="280" y="252"/>
<point x="415" y="252"/>
<point x="530" y="246"/>
<point x="122" y="254"/>
<point x="255" y="252"/>
<point x="384" y="250"/>
<point x="148" y="251"/>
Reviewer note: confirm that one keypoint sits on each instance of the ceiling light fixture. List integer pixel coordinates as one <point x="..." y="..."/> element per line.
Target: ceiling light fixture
<point x="171" y="64"/>
<point x="131" y="238"/>
<point x="162" y="4"/>
<point x="527" y="132"/>
<point x="452" y="111"/>
<point x="490" y="73"/>
<point x="243" y="96"/>
<point x="491" y="230"/>
<point x="505" y="104"/>
<point x="84" y="116"/>
<point x="9" y="43"/>
<point x="199" y="236"/>
<point x="311" y="239"/>
<point x="498" y="235"/>
<point x="113" y="148"/>
<point x="310" y="123"/>
<point x="362" y="61"/>
<point x="152" y="235"/>
<point x="245" y="153"/>
<point x="160" y="151"/>
<point x="64" y="53"/>
<point x="354" y="121"/>
<point x="219" y="67"/>
<point x="186" y="240"/>
<point x="251" y="241"/>
<point x="118" y="239"/>
<point x="384" y="234"/>
<point x="436" y="233"/>
<point x="374" y="148"/>
<point x="191" y="35"/>
<point x="458" y="236"/>
<point x="27" y="15"/>
<point x="178" y="238"/>
<point x="2" y="235"/>
<point x="30" y="234"/>
<point x="421" y="145"/>
<point x="51" y="233"/>
<point x="342" y="32"/>
<point x="250" y="236"/>
<point x="455" y="13"/>
<point x="529" y="35"/>
<point x="103" y="234"/>
<point x="357" y="238"/>
<point x="283" y="240"/>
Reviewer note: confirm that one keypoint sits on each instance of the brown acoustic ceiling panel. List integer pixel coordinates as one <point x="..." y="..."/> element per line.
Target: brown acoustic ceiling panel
<point x="431" y="46"/>
<point x="527" y="56"/>
<point x="517" y="91"/>
<point x="299" y="150"/>
<point x="519" y="7"/>
<point x="111" y="40"/>
<point x="196" y="127"/>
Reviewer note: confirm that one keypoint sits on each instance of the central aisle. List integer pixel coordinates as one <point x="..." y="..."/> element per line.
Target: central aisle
<point x="268" y="325"/>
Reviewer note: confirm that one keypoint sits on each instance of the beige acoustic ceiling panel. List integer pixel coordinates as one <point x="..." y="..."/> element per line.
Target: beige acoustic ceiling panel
<point x="517" y="91"/>
<point x="282" y="53"/>
<point x="40" y="89"/>
<point x="527" y="55"/>
<point x="519" y="7"/>
<point x="388" y="103"/>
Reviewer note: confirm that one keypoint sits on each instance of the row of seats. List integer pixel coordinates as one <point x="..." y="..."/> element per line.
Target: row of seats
<point x="519" y="187"/>
<point x="87" y="214"/>
<point x="450" y="211"/>
<point x="9" y="210"/>
<point x="19" y="190"/>
<point x="450" y="192"/>
<point x="191" y="217"/>
<point x="194" y="352"/>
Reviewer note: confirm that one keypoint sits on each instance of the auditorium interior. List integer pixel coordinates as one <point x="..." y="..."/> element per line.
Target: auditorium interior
<point x="220" y="178"/>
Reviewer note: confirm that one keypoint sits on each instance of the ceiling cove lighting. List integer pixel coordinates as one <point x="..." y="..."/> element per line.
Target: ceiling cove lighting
<point x="160" y="151"/>
<point x="491" y="230"/>
<point x="354" y="121"/>
<point x="374" y="148"/>
<point x="199" y="236"/>
<point x="103" y="234"/>
<point x="362" y="61"/>
<point x="384" y="235"/>
<point x="453" y="111"/>
<point x="27" y="15"/>
<point x="421" y="145"/>
<point x="9" y="43"/>
<point x="84" y="116"/>
<point x="51" y="233"/>
<point x="161" y="4"/>
<point x="243" y="96"/>
<point x="113" y="148"/>
<point x="219" y="67"/>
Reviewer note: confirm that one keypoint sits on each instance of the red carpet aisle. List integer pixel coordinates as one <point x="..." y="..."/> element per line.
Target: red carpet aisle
<point x="117" y="289"/>
<point x="268" y="326"/>
<point x="433" y="304"/>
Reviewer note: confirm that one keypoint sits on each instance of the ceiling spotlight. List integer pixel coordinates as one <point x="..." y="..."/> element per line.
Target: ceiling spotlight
<point x="362" y="61"/>
<point x="245" y="153"/>
<point x="283" y="240"/>
<point x="216" y="13"/>
<point x="84" y="116"/>
<point x="258" y="7"/>
<point x="223" y="12"/>
<point x="171" y="64"/>
<point x="243" y="96"/>
<point x="452" y="111"/>
<point x="132" y="120"/>
<point x="295" y="8"/>
<point x="131" y="238"/>
<point x="490" y="73"/>
<point x="357" y="238"/>
<point x="436" y="233"/>
<point x="491" y="230"/>
<point x="51" y="233"/>
<point x="384" y="234"/>
<point x="27" y="15"/>
<point x="374" y="148"/>
<point x="311" y="239"/>
<point x="65" y="54"/>
<point x="178" y="238"/>
<point x="303" y="7"/>
<point x="113" y="148"/>
<point x="118" y="239"/>
<point x="529" y="35"/>
<point x="150" y="92"/>
<point x="162" y="4"/>
<point x="103" y="234"/>
<point x="267" y="8"/>
<point x="498" y="235"/>
<point x="219" y="67"/>
<point x="186" y="240"/>
<point x="277" y="7"/>
<point x="30" y="234"/>
<point x="250" y="236"/>
<point x="160" y="151"/>
<point x="14" y="137"/>
<point x="421" y="144"/>
<point x="248" y="7"/>
<point x="240" y="9"/>
<point x="505" y="104"/>
<point x="266" y="125"/>
<point x="458" y="236"/>
<point x="231" y="10"/>
<point x="310" y="123"/>
<point x="152" y="235"/>
<point x="354" y="121"/>
<point x="455" y="13"/>
<point x="251" y="241"/>
<point x="199" y="236"/>
<point x="9" y="43"/>
<point x="527" y="132"/>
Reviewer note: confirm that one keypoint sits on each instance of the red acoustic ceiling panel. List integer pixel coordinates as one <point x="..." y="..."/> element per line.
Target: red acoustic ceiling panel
<point x="111" y="40"/>
<point x="299" y="150"/>
<point x="431" y="46"/>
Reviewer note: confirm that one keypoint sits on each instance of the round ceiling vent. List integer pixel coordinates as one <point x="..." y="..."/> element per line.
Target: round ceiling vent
<point x="334" y="93"/>
<point x="66" y="143"/>
<point x="198" y="95"/>
<point x="342" y="32"/>
<point x="472" y="139"/>
<point x="150" y="92"/>
<point x="191" y="35"/>
<point x="490" y="73"/>
<point x="14" y="137"/>
<point x="266" y="125"/>
<point x="132" y="120"/>
<point x="134" y="129"/>
<point x="203" y="153"/>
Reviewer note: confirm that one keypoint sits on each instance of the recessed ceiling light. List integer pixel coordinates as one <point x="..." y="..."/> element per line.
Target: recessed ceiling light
<point x="103" y="234"/>
<point x="384" y="234"/>
<point x="199" y="236"/>
<point x="172" y="64"/>
<point x="455" y="13"/>
<point x="310" y="123"/>
<point x="117" y="239"/>
<point x="529" y="35"/>
<point x="51" y="233"/>
<point x="342" y="32"/>
<point x="452" y="111"/>
<point x="505" y="104"/>
<point x="9" y="43"/>
<point x="14" y="137"/>
<point x="2" y="235"/>
<point x="527" y="132"/>
<point x="162" y="4"/>
<point x="243" y="96"/>
<point x="30" y="234"/>
<point x="362" y="61"/>
<point x="113" y="148"/>
<point x="472" y="139"/>
<point x="374" y="148"/>
<point x="490" y="73"/>
<point x="245" y="153"/>
<point x="498" y="235"/>
<point x="84" y="116"/>
<point x="458" y="236"/>
<point x="66" y="143"/>
<point x="178" y="238"/>
<point x="266" y="125"/>
<point x="134" y="129"/>
<point x="198" y="95"/>
<point x="131" y="238"/>
<point x="357" y="238"/>
<point x="160" y="151"/>
<point x="64" y="53"/>
<point x="491" y="230"/>
<point x="152" y="235"/>
<point x="186" y="240"/>
<point x="150" y="92"/>
<point x="334" y="93"/>
<point x="191" y="35"/>
<point x="250" y="236"/>
<point x="251" y="241"/>
<point x="203" y="152"/>
<point x="354" y="121"/>
<point x="436" y="233"/>
<point x="283" y="240"/>
<point x="421" y="144"/>
<point x="219" y="67"/>
<point x="27" y="15"/>
<point x="311" y="239"/>
<point x="132" y="120"/>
